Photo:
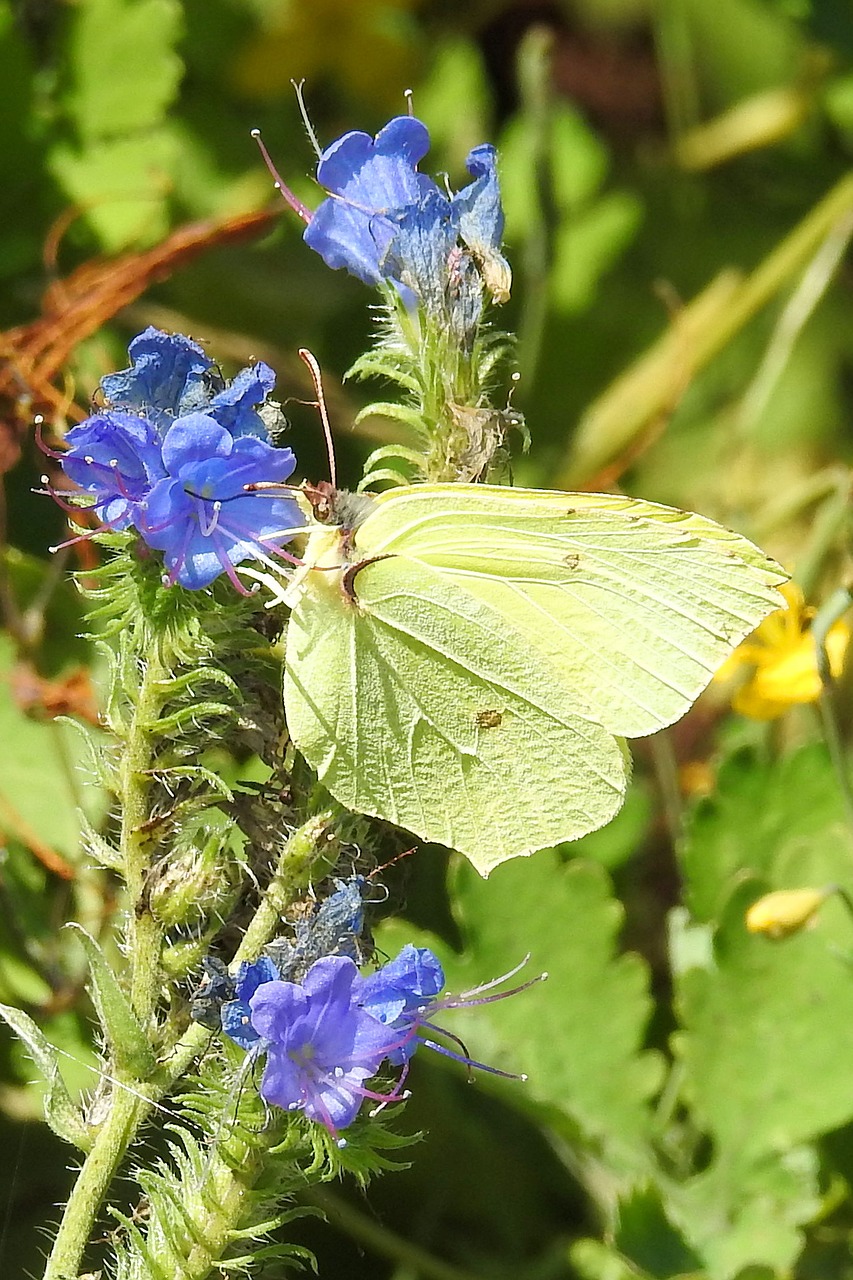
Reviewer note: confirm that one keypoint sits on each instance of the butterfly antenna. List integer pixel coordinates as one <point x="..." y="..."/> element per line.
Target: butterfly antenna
<point x="409" y="95"/>
<point x="317" y="378"/>
<point x="407" y="853"/>
<point x="278" y="182"/>
<point x="306" y="119"/>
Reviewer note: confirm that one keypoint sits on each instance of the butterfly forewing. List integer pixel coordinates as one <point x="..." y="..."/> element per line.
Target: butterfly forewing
<point x="634" y="605"/>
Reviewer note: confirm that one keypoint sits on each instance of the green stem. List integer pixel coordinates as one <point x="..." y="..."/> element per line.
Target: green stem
<point x="834" y="608"/>
<point x="144" y="934"/>
<point x="84" y="1204"/>
<point x="534" y="78"/>
<point x="291" y="874"/>
<point x="666" y="772"/>
<point x="214" y="1231"/>
<point x="832" y="734"/>
<point x="129" y="1110"/>
<point x="144" y="943"/>
<point x="824" y="535"/>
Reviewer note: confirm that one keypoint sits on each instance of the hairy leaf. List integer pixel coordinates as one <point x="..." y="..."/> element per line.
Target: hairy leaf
<point x="60" y="1112"/>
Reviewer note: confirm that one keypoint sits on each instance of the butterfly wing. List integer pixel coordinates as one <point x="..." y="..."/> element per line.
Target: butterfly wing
<point x="415" y="703"/>
<point x="634" y="604"/>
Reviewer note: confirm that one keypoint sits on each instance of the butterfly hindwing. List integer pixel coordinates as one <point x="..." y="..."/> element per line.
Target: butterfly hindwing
<point x="416" y="703"/>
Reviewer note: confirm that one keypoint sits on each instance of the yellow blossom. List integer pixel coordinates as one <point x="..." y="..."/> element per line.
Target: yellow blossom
<point x="781" y="653"/>
<point x="786" y="911"/>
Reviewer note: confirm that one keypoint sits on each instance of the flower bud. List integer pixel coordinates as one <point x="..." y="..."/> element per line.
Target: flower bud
<point x="786" y="911"/>
<point x="196" y="884"/>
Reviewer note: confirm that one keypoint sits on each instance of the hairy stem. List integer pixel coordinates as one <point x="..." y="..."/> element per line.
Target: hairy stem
<point x="117" y="1132"/>
<point x="144" y="942"/>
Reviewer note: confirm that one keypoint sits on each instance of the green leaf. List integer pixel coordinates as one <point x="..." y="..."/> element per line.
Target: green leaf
<point x="593" y="1260"/>
<point x="390" y="409"/>
<point x="762" y="1025"/>
<point x="40" y="767"/>
<point x="750" y="1214"/>
<point x="794" y="816"/>
<point x="646" y="1236"/>
<point x="579" y="1035"/>
<point x="129" y="1046"/>
<point x="123" y="66"/>
<point x="122" y="185"/>
<point x="60" y="1112"/>
<point x="767" y="1026"/>
<point x="587" y="245"/>
<point x="100" y="850"/>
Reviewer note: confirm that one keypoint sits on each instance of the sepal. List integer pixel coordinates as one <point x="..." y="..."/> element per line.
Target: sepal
<point x="61" y="1114"/>
<point x="98" y="849"/>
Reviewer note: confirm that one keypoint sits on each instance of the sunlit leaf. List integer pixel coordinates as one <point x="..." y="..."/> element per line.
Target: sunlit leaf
<point x="122" y="64"/>
<point x="578" y="1035"/>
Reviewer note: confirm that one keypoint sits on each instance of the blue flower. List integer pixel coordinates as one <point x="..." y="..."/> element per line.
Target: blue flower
<point x="234" y="406"/>
<point x="370" y="179"/>
<point x="402" y="995"/>
<point x="216" y="989"/>
<point x="479" y="216"/>
<point x="171" y="456"/>
<point x="200" y="515"/>
<point x="320" y="1045"/>
<point x="384" y="220"/>
<point x="398" y="994"/>
<point x="324" y="1037"/>
<point x="116" y="457"/>
<point x="171" y="376"/>
<point x="420" y="253"/>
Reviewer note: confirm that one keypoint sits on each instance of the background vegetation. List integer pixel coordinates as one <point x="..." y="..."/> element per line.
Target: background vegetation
<point x="679" y="207"/>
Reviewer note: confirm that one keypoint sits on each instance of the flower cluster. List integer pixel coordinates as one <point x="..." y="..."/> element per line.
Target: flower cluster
<point x="326" y="1035"/>
<point x="383" y="220"/>
<point x="335" y="928"/>
<point x="171" y="454"/>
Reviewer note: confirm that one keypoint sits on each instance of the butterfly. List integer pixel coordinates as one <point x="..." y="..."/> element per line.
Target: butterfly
<point x="466" y="661"/>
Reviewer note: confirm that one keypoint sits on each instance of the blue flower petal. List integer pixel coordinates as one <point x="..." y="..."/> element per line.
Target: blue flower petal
<point x="116" y="457"/>
<point x="193" y="438"/>
<point x="369" y="179"/>
<point x="234" y="407"/>
<point x="169" y="375"/>
<point x="480" y="219"/>
<point x="379" y="173"/>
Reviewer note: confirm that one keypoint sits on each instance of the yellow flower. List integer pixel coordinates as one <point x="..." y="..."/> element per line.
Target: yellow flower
<point x="786" y="911"/>
<point x="781" y="653"/>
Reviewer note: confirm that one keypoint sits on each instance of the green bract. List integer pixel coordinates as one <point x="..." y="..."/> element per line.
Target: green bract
<point x="465" y="660"/>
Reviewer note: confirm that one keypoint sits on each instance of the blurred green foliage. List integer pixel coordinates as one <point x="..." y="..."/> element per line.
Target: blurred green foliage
<point x="689" y="1110"/>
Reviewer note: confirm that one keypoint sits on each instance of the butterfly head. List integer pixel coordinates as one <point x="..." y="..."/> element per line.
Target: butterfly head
<point x="338" y="507"/>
